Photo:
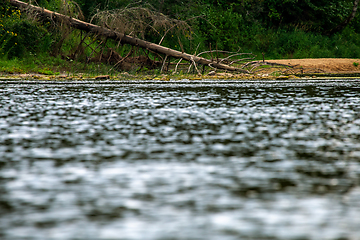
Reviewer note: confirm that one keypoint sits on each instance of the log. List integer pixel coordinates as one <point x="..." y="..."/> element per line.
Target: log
<point x="108" y="33"/>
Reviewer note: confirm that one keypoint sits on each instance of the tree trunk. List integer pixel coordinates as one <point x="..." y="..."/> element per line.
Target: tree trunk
<point x="343" y="25"/>
<point x="88" y="27"/>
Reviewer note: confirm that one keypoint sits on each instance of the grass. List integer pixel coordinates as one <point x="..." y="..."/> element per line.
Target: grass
<point x="48" y="65"/>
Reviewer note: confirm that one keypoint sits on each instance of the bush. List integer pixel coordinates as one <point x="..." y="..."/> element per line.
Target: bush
<point x="224" y="30"/>
<point x="20" y="36"/>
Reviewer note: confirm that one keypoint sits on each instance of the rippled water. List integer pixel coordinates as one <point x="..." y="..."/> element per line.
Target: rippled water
<point x="180" y="160"/>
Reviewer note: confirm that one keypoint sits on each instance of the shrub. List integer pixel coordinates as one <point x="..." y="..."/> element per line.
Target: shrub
<point x="20" y="36"/>
<point x="222" y="29"/>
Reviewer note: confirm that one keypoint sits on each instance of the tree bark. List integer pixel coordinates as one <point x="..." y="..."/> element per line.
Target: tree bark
<point x="343" y="25"/>
<point x="88" y="27"/>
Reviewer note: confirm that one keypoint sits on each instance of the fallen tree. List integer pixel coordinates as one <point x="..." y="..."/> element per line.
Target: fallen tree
<point x="123" y="38"/>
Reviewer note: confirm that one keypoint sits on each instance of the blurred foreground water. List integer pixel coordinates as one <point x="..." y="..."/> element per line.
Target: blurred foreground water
<point x="180" y="160"/>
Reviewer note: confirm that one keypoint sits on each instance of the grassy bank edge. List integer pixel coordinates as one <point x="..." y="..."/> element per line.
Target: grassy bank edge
<point x="45" y="67"/>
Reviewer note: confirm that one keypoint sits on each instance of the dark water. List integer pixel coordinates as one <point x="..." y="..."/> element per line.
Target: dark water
<point x="187" y="160"/>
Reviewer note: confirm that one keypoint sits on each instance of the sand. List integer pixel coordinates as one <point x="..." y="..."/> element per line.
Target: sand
<point x="322" y="65"/>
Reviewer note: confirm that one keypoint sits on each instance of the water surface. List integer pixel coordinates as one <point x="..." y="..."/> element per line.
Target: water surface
<point x="180" y="160"/>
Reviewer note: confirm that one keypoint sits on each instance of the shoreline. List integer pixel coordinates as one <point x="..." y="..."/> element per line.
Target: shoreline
<point x="321" y="68"/>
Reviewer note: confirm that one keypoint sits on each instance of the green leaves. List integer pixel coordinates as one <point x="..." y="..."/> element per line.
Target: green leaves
<point x="222" y="28"/>
<point x="20" y="36"/>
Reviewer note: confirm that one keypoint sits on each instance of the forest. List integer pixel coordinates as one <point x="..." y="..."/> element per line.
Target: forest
<point x="271" y="29"/>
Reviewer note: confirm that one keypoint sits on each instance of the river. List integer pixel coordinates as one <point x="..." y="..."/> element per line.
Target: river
<point x="214" y="160"/>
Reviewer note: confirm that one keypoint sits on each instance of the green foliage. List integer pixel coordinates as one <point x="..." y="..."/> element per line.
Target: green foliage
<point x="309" y="15"/>
<point x="219" y="32"/>
<point x="300" y="44"/>
<point x="20" y="36"/>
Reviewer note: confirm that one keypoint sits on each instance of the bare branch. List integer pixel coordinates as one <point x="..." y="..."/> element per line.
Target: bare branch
<point x="163" y="65"/>
<point x="176" y="67"/>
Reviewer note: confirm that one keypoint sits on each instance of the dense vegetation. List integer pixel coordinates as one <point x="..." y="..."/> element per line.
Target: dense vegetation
<point x="277" y="28"/>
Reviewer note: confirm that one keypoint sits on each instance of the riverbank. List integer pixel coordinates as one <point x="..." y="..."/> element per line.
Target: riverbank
<point x="322" y="65"/>
<point x="289" y="68"/>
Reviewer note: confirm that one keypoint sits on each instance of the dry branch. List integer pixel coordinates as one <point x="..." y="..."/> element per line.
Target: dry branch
<point x="111" y="34"/>
<point x="255" y="64"/>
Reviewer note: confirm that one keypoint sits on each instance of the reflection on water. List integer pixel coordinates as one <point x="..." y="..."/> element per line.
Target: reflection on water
<point x="180" y="161"/>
